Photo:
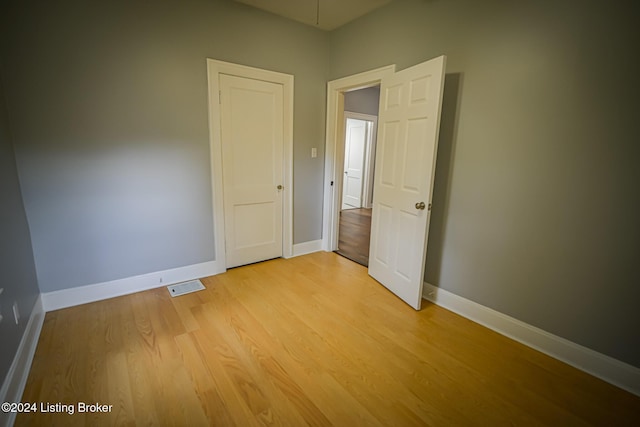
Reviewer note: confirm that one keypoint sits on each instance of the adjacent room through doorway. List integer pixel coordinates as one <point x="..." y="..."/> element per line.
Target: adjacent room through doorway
<point x="360" y="132"/>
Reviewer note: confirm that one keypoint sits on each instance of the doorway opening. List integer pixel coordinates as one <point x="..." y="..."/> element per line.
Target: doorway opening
<point x="410" y="106"/>
<point x="360" y="135"/>
<point x="352" y="110"/>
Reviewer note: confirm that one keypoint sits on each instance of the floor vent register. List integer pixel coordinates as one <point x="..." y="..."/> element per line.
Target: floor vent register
<point x="185" y="288"/>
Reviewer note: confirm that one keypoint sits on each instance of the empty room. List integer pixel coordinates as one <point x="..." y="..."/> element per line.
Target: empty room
<point x="175" y="177"/>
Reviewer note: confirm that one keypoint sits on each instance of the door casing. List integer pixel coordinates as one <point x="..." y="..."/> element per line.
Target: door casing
<point x="214" y="69"/>
<point x="334" y="148"/>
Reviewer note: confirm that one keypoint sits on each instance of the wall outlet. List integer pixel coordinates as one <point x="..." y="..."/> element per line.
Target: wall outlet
<point x="161" y="280"/>
<point x="16" y="313"/>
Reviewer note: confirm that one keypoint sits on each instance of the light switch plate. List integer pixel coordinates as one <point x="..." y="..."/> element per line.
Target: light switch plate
<point x="314" y="152"/>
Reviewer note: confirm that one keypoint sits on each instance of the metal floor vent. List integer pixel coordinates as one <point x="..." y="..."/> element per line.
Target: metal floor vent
<point x="185" y="288"/>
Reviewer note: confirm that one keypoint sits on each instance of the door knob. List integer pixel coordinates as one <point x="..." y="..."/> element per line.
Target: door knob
<point x="420" y="206"/>
<point x="280" y="187"/>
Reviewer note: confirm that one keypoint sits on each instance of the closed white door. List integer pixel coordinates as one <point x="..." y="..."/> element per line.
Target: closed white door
<point x="354" y="156"/>
<point x="410" y="104"/>
<point x="251" y="116"/>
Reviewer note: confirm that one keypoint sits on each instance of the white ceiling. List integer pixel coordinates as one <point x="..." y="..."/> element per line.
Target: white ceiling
<point x="324" y="14"/>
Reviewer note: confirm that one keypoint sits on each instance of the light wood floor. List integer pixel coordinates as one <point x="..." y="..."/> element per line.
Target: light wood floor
<point x="306" y="341"/>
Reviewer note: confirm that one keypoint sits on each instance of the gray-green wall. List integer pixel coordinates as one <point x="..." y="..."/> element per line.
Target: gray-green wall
<point x="18" y="271"/>
<point x="363" y="101"/>
<point x="109" y="109"/>
<point x="536" y="203"/>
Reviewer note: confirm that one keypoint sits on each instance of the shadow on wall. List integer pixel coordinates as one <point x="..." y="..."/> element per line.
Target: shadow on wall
<point x="444" y="168"/>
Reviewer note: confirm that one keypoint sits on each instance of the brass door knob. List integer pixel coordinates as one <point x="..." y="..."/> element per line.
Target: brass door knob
<point x="420" y="206"/>
<point x="280" y="187"/>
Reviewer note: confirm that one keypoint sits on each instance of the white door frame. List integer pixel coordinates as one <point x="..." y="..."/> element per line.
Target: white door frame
<point x="334" y="149"/>
<point x="369" y="154"/>
<point x="214" y="69"/>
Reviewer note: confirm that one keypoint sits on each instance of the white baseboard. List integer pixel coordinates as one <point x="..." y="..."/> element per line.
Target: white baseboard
<point x="307" y="247"/>
<point x="16" y="379"/>
<point x="597" y="364"/>
<point x="84" y="294"/>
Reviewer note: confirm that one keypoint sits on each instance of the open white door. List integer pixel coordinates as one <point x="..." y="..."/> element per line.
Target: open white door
<point x="354" y="156"/>
<point x="410" y="104"/>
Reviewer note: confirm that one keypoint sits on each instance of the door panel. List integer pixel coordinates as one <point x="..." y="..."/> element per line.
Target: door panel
<point x="410" y="106"/>
<point x="252" y="127"/>
<point x="386" y="162"/>
<point x="381" y="246"/>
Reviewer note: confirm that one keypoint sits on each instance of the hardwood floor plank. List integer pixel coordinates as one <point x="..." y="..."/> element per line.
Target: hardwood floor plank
<point x="276" y="380"/>
<point x="138" y="339"/>
<point x="301" y="360"/>
<point x="232" y="396"/>
<point x="119" y="392"/>
<point x="210" y="400"/>
<point x="354" y="230"/>
<point x="311" y="340"/>
<point x="335" y="344"/>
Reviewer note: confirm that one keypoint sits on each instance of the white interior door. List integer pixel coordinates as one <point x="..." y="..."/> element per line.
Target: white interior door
<point x="354" y="156"/>
<point x="410" y="104"/>
<point x="251" y="116"/>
